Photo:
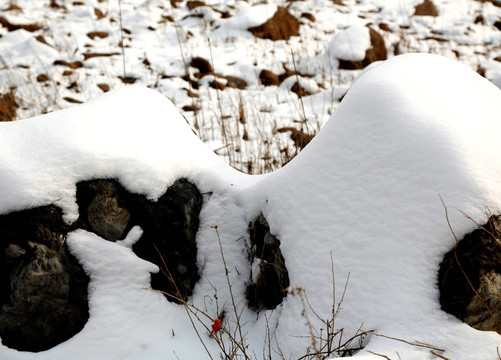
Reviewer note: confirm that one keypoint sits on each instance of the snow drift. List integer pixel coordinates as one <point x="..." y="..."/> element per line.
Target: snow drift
<point x="367" y="190"/>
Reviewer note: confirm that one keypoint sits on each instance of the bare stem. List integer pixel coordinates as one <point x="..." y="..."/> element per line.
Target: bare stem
<point x="122" y="36"/>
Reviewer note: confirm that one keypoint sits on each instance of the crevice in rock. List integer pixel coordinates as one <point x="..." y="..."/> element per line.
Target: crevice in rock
<point x="269" y="277"/>
<point x="479" y="254"/>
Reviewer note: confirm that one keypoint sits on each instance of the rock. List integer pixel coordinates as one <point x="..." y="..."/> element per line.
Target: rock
<point x="268" y="78"/>
<point x="426" y="8"/>
<point x="235" y="82"/>
<point x="43" y="295"/>
<point x="269" y="279"/>
<point x="193" y="4"/>
<point x="308" y="16"/>
<point x="202" y="65"/>
<point x="102" y="209"/>
<point x="300" y="138"/>
<point x="8" y="106"/>
<point x="479" y="254"/>
<point x="281" y="26"/>
<point x="169" y="227"/>
<point x="217" y="85"/>
<point x="43" y="288"/>
<point x="299" y="90"/>
<point x="377" y="52"/>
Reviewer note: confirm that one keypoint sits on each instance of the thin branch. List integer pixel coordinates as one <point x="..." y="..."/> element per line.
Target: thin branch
<point x="383" y="356"/>
<point x="235" y="309"/>
<point x="299" y="86"/>
<point x="438" y="355"/>
<point x="415" y="343"/>
<point x="122" y="36"/>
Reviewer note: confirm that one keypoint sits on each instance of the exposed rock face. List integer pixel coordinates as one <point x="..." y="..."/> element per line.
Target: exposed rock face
<point x="377" y="52"/>
<point x="43" y="288"/>
<point x="270" y="278"/>
<point x="479" y="254"/>
<point x="170" y="225"/>
<point x="43" y="295"/>
<point x="281" y="26"/>
<point x="102" y="209"/>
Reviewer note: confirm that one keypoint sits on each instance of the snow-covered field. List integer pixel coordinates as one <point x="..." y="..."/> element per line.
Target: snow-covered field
<point x="59" y="52"/>
<point x="363" y="197"/>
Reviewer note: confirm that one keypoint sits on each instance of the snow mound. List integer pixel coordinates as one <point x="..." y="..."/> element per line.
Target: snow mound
<point x="367" y="190"/>
<point x="368" y="187"/>
<point x="134" y="134"/>
<point x="351" y="44"/>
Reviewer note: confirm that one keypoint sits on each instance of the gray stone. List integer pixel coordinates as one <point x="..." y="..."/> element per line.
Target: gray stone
<point x="474" y="296"/>
<point x="169" y="227"/>
<point x="43" y="288"/>
<point x="268" y="287"/>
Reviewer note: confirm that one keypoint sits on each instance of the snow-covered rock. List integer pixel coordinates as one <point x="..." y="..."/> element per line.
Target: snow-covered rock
<point x="364" y="197"/>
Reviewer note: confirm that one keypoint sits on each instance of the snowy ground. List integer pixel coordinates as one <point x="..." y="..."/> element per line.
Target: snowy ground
<point x="365" y="191"/>
<point x="74" y="54"/>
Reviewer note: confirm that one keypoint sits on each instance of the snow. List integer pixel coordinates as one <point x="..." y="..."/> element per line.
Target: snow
<point x="105" y="137"/>
<point x="158" y="50"/>
<point x="351" y="44"/>
<point x="366" y="191"/>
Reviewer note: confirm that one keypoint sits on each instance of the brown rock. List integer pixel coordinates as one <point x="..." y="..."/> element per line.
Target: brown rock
<point x="217" y="85"/>
<point x="193" y="4"/>
<point x="235" y="82"/>
<point x="202" y="65"/>
<point x="43" y="78"/>
<point x="377" y="52"/>
<point x="268" y="78"/>
<point x="99" y="34"/>
<point x="71" y="65"/>
<point x="128" y="79"/>
<point x="299" y="90"/>
<point x="91" y="55"/>
<point x="426" y="8"/>
<point x="12" y="27"/>
<point x="281" y="26"/>
<point x="384" y="27"/>
<point x="99" y="14"/>
<point x="104" y="87"/>
<point x="8" y="106"/>
<point x="300" y="138"/>
<point x="308" y="16"/>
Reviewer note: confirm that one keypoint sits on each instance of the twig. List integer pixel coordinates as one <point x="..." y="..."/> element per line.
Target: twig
<point x="186" y="69"/>
<point x="237" y="315"/>
<point x="438" y="355"/>
<point x="383" y="356"/>
<point x="122" y="36"/>
<point x="415" y="343"/>
<point x="299" y="86"/>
